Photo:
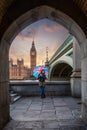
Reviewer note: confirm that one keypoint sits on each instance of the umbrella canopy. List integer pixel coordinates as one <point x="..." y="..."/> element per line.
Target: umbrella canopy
<point x="38" y="70"/>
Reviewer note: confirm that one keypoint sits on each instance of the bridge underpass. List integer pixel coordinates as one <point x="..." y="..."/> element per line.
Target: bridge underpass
<point x="61" y="72"/>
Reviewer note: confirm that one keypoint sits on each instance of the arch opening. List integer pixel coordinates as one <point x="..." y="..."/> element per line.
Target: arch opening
<point x="43" y="34"/>
<point x="61" y="72"/>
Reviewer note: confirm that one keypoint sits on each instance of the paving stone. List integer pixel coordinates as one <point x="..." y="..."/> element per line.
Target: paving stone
<point x="76" y="113"/>
<point x="61" y="103"/>
<point x="73" y="128"/>
<point x="63" y="122"/>
<point x="64" y="113"/>
<point x="32" y="114"/>
<point x="48" y="107"/>
<point x="13" y="123"/>
<point x="18" y="117"/>
<point x="35" y="107"/>
<point x="20" y="125"/>
<point x="51" y="113"/>
<point x="33" y="125"/>
<point x="62" y="109"/>
<point x="48" y="129"/>
<point x="13" y="112"/>
<point x="65" y="116"/>
<point x="47" y="115"/>
<point x="48" y="110"/>
<point x="50" y="124"/>
<point x="37" y="118"/>
<point x="22" y="129"/>
<point x="47" y="101"/>
<point x="21" y="107"/>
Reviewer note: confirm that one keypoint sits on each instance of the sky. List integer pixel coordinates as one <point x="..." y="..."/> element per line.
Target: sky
<point x="45" y="33"/>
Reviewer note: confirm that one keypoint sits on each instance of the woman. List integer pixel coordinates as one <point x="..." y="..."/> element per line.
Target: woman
<point x="42" y="78"/>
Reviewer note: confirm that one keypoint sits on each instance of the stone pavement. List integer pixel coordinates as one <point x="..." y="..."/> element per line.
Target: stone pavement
<point x="51" y="113"/>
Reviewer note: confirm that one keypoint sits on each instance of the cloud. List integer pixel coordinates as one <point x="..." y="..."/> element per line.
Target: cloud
<point x="28" y="34"/>
<point x="24" y="38"/>
<point x="52" y="28"/>
<point x="48" y="29"/>
<point x="30" y="31"/>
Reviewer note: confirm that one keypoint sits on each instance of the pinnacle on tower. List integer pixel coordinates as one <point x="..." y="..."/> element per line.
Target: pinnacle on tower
<point x="47" y="62"/>
<point x="33" y="46"/>
<point x="46" y="54"/>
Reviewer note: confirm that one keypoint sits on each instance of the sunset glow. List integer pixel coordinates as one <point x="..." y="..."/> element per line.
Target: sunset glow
<point x="45" y="33"/>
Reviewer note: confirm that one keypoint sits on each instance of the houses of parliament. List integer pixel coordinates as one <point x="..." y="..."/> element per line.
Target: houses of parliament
<point x="19" y="71"/>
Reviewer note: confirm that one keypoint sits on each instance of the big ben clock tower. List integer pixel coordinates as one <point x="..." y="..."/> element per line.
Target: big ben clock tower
<point x="33" y="57"/>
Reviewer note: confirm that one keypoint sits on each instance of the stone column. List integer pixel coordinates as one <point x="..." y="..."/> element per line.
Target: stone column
<point x="4" y="86"/>
<point x="76" y="75"/>
<point x="84" y="80"/>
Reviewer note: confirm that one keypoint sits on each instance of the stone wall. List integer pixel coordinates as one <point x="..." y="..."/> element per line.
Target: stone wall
<point x="52" y="88"/>
<point x="4" y="86"/>
<point x="4" y="4"/>
<point x="84" y="81"/>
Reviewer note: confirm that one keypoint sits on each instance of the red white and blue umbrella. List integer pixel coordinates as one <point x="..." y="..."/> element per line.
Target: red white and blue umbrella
<point x="38" y="70"/>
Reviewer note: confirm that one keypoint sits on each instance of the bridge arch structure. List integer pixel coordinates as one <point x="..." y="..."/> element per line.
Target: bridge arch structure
<point x="65" y="60"/>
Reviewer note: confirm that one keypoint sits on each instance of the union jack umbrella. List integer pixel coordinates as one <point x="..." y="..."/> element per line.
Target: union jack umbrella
<point x="38" y="70"/>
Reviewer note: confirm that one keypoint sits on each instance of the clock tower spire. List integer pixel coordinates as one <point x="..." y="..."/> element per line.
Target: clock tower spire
<point x="33" y="57"/>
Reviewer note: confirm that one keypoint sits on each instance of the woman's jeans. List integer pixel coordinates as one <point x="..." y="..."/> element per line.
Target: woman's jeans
<point x="42" y="91"/>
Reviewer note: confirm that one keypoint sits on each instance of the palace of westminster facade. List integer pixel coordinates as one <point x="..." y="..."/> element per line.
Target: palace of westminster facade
<point x="19" y="71"/>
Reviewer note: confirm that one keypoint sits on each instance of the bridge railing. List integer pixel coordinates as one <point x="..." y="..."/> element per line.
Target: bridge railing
<point x="66" y="43"/>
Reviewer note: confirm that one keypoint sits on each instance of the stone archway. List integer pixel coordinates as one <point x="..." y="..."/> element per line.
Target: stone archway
<point x="39" y="13"/>
<point x="19" y="24"/>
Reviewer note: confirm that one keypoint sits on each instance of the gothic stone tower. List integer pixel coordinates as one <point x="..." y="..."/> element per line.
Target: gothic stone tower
<point x="33" y="57"/>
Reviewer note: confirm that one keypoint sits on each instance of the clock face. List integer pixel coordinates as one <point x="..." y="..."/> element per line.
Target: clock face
<point x="33" y="53"/>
